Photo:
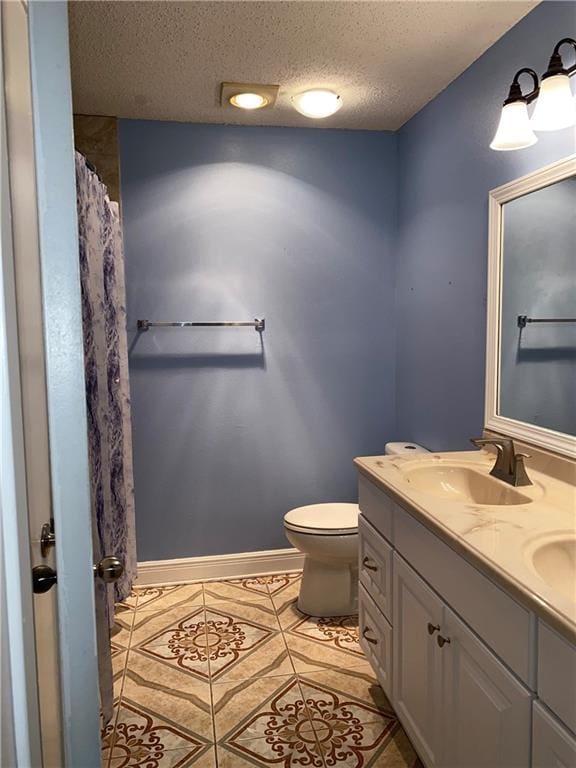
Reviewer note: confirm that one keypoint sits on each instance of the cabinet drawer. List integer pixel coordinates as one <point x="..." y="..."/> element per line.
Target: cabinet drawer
<point x="376" y="507"/>
<point x="376" y="639"/>
<point x="552" y="745"/>
<point x="504" y="625"/>
<point x="557" y="675"/>
<point x="375" y="566"/>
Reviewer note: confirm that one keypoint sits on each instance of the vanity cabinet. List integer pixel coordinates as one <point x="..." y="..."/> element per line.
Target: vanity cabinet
<point x="454" y="653"/>
<point x="458" y="702"/>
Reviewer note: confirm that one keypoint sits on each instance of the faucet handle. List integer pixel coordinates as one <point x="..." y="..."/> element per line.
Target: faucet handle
<point x="520" y="475"/>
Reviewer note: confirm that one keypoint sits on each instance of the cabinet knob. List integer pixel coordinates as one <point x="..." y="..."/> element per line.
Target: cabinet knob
<point x="442" y="641"/>
<point x="368" y="639"/>
<point x="368" y="564"/>
<point x="433" y="628"/>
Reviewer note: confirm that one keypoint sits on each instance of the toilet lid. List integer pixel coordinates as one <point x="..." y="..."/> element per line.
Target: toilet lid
<point x="323" y="519"/>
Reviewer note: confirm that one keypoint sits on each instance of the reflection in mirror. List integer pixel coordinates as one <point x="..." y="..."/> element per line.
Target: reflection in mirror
<point x="538" y="359"/>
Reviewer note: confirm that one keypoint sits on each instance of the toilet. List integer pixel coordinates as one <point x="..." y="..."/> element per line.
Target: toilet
<point x="327" y="534"/>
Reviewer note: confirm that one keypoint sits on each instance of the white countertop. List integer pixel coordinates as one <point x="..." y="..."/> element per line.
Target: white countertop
<point x="496" y="539"/>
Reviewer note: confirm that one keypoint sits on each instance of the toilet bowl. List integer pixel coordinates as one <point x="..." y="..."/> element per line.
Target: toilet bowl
<point x="327" y="534"/>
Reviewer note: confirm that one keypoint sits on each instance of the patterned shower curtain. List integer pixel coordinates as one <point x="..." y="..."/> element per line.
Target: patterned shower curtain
<point x="107" y="400"/>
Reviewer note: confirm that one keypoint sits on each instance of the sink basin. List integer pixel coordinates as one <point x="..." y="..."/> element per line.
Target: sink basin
<point x="463" y="484"/>
<point x="555" y="563"/>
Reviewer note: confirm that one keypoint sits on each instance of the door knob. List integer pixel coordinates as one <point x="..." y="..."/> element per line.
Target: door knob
<point x="109" y="569"/>
<point x="43" y="579"/>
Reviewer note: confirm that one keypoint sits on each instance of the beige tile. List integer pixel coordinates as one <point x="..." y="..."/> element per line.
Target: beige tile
<point x="129" y="602"/>
<point x="309" y="654"/>
<point x="288" y="613"/>
<point x="121" y="631"/>
<point x="244" y="641"/>
<point x="177" y="638"/>
<point x="358" y="683"/>
<point x="286" y="592"/>
<point x="144" y="738"/>
<point x="119" y="657"/>
<point x="156" y="599"/>
<point x="340" y="632"/>
<point x="284" y="583"/>
<point x="253" y="590"/>
<point x="264" y="752"/>
<point x="378" y="745"/>
<point x="170" y="694"/>
<point x="260" y="613"/>
<point x="150" y="623"/>
<point x="242" y="710"/>
<point x="266" y="723"/>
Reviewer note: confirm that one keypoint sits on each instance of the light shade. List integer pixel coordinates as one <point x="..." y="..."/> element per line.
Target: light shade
<point x="555" y="107"/>
<point x="317" y="103"/>
<point x="248" y="100"/>
<point x="514" y="129"/>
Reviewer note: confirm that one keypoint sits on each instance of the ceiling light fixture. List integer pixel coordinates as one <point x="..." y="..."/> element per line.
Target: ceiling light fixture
<point x="317" y="103"/>
<point x="555" y="105"/>
<point x="248" y="100"/>
<point x="249" y="96"/>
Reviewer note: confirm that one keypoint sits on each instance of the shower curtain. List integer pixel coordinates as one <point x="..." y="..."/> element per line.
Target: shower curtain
<point x="107" y="401"/>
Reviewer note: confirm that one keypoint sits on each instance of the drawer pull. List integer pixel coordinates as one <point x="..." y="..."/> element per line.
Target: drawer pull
<point x="433" y="628"/>
<point x="367" y="563"/>
<point x="368" y="639"/>
<point x="442" y="641"/>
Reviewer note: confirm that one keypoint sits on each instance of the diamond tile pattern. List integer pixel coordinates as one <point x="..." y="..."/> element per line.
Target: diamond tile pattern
<point x="230" y="674"/>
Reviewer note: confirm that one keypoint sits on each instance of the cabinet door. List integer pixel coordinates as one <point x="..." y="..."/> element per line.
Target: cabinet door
<point x="553" y="745"/>
<point x="486" y="708"/>
<point x="416" y="686"/>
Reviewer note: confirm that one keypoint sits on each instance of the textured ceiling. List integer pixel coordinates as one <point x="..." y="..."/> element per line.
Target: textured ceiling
<point x="165" y="60"/>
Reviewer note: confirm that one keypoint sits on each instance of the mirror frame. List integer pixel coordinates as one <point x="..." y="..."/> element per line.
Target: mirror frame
<point x="558" y="442"/>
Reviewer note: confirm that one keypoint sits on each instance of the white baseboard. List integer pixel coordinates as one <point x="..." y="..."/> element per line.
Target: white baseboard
<point x="244" y="564"/>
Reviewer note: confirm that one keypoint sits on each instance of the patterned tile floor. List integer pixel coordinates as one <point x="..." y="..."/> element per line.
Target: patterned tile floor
<point x="230" y="674"/>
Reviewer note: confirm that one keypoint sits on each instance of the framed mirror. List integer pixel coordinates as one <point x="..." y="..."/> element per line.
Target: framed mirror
<point x="531" y="330"/>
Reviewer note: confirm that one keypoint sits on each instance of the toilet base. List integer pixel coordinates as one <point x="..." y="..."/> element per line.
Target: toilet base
<point x="328" y="590"/>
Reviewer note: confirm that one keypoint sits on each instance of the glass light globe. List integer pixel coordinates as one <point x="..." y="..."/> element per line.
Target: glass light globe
<point x="555" y="106"/>
<point x="514" y="129"/>
<point x="317" y="103"/>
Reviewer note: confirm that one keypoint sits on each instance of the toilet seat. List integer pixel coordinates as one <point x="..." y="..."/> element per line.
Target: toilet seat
<point x="324" y="519"/>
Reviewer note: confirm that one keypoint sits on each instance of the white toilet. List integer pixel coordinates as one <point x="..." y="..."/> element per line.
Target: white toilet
<point x="328" y="535"/>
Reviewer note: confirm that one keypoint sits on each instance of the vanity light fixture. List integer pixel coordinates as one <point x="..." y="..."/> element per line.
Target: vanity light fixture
<point x="317" y="103"/>
<point x="248" y="95"/>
<point x="555" y="106"/>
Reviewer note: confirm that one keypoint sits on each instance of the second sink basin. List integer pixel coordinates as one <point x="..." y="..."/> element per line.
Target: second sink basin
<point x="555" y="563"/>
<point x="463" y="484"/>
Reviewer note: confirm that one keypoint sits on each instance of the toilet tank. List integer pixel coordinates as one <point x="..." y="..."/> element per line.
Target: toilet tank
<point x="393" y="449"/>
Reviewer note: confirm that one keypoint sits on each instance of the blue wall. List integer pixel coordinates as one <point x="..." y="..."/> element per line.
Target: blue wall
<point x="446" y="172"/>
<point x="230" y="430"/>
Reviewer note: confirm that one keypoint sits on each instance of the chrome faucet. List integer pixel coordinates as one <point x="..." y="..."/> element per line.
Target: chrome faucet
<point x="509" y="465"/>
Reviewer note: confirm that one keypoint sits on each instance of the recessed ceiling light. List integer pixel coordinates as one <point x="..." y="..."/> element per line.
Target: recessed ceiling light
<point x="317" y="103"/>
<point x="248" y="100"/>
<point x="248" y="95"/>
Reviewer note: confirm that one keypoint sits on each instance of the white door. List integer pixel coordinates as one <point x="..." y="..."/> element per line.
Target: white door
<point x="52" y="418"/>
<point x="416" y="686"/>
<point x="486" y="712"/>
